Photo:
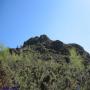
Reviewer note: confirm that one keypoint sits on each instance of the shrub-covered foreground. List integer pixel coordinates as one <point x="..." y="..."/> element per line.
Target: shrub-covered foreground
<point x="27" y="72"/>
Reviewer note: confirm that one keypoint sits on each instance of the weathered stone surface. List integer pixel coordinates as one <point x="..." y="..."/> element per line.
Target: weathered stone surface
<point x="43" y="38"/>
<point x="36" y="40"/>
<point x="57" y="45"/>
<point x="45" y="45"/>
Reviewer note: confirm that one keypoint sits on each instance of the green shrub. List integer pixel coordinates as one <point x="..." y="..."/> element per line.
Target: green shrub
<point x="76" y="60"/>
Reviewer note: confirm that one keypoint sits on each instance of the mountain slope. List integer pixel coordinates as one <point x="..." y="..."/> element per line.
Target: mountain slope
<point x="44" y="64"/>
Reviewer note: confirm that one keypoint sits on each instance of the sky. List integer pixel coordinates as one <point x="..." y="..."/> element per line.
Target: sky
<point x="64" y="20"/>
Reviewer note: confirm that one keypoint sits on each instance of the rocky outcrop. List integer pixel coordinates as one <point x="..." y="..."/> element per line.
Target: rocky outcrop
<point x="57" y="45"/>
<point x="37" y="40"/>
<point x="43" y="44"/>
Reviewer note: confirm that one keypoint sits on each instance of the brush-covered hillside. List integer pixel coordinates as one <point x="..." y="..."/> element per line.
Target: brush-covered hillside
<point x="43" y="64"/>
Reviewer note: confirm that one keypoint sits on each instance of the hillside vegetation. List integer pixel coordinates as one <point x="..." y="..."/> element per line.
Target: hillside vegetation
<point x="44" y="64"/>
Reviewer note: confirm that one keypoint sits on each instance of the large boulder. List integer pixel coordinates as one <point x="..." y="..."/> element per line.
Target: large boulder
<point x="31" y="41"/>
<point x="37" y="40"/>
<point x="57" y="45"/>
<point x="43" y="38"/>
